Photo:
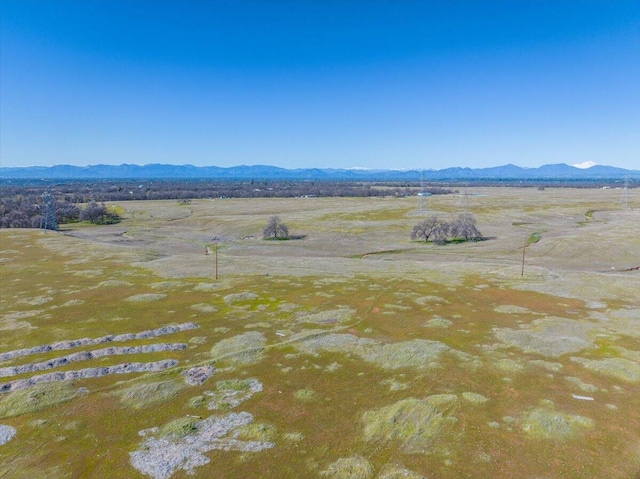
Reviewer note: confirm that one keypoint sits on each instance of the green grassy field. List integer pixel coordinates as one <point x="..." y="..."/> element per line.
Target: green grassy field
<point x="351" y="353"/>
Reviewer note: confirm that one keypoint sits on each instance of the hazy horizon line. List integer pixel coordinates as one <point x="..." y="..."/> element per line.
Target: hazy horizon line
<point x="583" y="165"/>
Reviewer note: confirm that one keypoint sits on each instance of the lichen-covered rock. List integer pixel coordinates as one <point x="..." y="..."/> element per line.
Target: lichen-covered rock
<point x="181" y="445"/>
<point x="6" y="433"/>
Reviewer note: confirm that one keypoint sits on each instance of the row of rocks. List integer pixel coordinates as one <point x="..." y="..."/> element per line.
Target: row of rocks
<point x="88" y="355"/>
<point x="125" y="368"/>
<point x="197" y="375"/>
<point x="75" y="343"/>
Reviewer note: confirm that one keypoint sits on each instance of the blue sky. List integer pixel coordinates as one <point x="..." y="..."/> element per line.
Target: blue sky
<point x="333" y="83"/>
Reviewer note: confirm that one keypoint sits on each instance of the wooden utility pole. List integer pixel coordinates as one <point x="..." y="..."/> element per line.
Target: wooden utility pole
<point x="216" y="250"/>
<point x="534" y="238"/>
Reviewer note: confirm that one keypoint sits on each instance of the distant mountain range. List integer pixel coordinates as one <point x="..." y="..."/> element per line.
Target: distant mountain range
<point x="159" y="171"/>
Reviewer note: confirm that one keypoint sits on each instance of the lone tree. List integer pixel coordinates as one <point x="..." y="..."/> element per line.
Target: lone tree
<point x="275" y="229"/>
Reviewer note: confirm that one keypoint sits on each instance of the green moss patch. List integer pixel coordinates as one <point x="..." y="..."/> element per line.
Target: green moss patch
<point x="415" y="353"/>
<point x="146" y="297"/>
<point x="475" y="398"/>
<point x="438" y="323"/>
<point x="306" y="395"/>
<point x="328" y="317"/>
<point x="36" y="398"/>
<point x="263" y="432"/>
<point x="354" y="467"/>
<point x="240" y="297"/>
<point x="179" y="428"/>
<point x="586" y="387"/>
<point x="232" y="392"/>
<point x="551" y="337"/>
<point x="245" y="348"/>
<point x="142" y="395"/>
<point x="395" y="471"/>
<point x="619" y="368"/>
<point x="549" y="424"/>
<point x="416" y="425"/>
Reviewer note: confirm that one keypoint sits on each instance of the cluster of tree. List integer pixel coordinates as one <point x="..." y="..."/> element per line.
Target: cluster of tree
<point x="26" y="210"/>
<point x="463" y="228"/>
<point x="98" y="214"/>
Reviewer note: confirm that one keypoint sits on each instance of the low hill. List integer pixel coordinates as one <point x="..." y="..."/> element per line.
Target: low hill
<point x="129" y="171"/>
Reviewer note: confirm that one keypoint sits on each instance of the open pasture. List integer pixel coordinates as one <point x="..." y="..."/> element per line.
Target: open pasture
<point x="351" y="352"/>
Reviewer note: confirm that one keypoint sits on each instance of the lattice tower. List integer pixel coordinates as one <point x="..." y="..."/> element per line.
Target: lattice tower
<point x="624" y="200"/>
<point x="422" y="196"/>
<point x="48" y="219"/>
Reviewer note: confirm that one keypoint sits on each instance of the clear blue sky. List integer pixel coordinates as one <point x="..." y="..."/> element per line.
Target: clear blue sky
<point x="332" y="83"/>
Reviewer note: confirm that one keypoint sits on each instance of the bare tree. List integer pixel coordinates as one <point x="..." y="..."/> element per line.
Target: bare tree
<point x="426" y="229"/>
<point x="464" y="227"/>
<point x="275" y="229"/>
<point x="441" y="232"/>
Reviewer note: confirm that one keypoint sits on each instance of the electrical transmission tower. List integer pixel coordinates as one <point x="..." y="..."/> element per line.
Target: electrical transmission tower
<point x="464" y="199"/>
<point x="422" y="196"/>
<point x="624" y="200"/>
<point x="48" y="218"/>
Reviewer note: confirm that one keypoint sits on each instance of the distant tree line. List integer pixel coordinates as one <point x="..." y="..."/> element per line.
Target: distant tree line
<point x="21" y="201"/>
<point x="83" y="192"/>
